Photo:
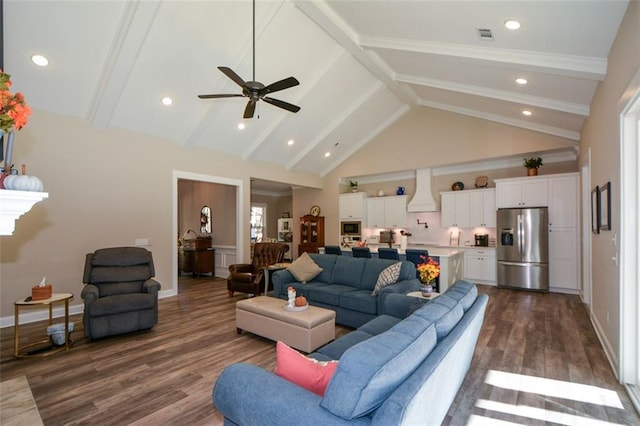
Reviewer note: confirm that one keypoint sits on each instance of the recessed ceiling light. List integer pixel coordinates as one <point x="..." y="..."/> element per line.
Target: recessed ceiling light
<point x="522" y="80"/>
<point x="290" y="142"/>
<point x="167" y="101"/>
<point x="512" y="24"/>
<point x="527" y="113"/>
<point x="40" y="60"/>
<point x="240" y="126"/>
<point x="327" y="154"/>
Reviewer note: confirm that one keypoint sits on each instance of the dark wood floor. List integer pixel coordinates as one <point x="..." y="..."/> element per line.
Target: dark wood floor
<point x="165" y="376"/>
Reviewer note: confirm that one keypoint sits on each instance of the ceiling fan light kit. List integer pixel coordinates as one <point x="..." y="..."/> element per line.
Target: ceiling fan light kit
<point x="254" y="90"/>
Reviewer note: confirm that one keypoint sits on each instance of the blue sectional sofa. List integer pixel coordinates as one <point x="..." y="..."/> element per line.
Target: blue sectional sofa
<point x="391" y="371"/>
<point x="345" y="285"/>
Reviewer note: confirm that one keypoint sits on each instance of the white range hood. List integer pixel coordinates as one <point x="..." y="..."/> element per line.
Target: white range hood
<point x="423" y="200"/>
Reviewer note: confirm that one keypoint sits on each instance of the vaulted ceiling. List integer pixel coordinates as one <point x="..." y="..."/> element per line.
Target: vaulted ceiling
<point x="361" y="66"/>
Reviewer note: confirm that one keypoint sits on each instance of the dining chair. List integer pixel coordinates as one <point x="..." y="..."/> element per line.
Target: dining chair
<point x="361" y="252"/>
<point x="332" y="250"/>
<point x="388" y="253"/>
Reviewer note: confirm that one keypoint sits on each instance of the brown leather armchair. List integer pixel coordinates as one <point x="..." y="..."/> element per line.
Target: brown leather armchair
<point x="249" y="278"/>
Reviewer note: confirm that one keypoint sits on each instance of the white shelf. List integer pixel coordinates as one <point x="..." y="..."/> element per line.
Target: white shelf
<point x="14" y="204"/>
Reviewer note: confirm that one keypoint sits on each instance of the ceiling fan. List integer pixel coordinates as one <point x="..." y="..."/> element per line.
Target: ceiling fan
<point x="254" y="90"/>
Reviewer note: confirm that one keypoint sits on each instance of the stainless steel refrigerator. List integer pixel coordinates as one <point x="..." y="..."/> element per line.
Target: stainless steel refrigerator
<point x="523" y="248"/>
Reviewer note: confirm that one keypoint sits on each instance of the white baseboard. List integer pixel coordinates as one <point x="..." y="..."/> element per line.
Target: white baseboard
<point x="58" y="312"/>
<point x="608" y="349"/>
<point x="40" y="315"/>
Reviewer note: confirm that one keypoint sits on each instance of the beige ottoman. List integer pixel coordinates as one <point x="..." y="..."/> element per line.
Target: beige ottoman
<point x="305" y="330"/>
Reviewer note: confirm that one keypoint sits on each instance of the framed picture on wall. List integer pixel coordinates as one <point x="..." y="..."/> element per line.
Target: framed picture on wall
<point x="605" y="207"/>
<point x="595" y="210"/>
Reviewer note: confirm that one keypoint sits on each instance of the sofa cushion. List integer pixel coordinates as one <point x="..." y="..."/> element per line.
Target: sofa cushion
<point x="111" y="289"/>
<point x="348" y="271"/>
<point x="304" y="268"/>
<point x="120" y="303"/>
<point x="114" y="274"/>
<point x="302" y="289"/>
<point x="371" y="370"/>
<point x="306" y="372"/>
<point x="389" y="275"/>
<point x="335" y="349"/>
<point x="329" y="294"/>
<point x="444" y="317"/>
<point x="360" y="301"/>
<point x="121" y="256"/>
<point x="327" y="263"/>
<point x="463" y="292"/>
<point x="379" y="325"/>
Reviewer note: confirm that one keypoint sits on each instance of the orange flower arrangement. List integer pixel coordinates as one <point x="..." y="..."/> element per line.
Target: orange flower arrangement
<point x="14" y="112"/>
<point x="429" y="269"/>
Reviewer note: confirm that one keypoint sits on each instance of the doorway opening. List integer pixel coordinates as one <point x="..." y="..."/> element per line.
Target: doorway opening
<point x="630" y="241"/>
<point x="238" y="243"/>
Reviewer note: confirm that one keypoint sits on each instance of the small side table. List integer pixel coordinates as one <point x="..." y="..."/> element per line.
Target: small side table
<point x="269" y="270"/>
<point x="419" y="294"/>
<point x="19" y="352"/>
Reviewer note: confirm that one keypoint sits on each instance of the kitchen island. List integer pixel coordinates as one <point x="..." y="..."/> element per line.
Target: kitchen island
<point x="449" y="258"/>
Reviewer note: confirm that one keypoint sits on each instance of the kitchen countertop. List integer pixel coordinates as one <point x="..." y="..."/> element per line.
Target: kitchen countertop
<point x="438" y="251"/>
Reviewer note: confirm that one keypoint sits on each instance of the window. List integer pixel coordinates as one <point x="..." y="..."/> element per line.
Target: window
<point x="258" y="221"/>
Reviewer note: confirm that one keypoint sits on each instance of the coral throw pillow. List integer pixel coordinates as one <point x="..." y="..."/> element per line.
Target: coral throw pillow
<point x="303" y="371"/>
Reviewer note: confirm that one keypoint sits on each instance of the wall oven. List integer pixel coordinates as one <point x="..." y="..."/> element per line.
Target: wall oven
<point x="351" y="228"/>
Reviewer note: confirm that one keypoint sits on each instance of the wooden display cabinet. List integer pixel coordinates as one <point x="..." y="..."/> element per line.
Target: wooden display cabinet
<point x="311" y="234"/>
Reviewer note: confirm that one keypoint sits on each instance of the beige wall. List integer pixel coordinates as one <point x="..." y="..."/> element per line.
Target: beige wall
<point x="601" y="133"/>
<point x="193" y="195"/>
<point x="106" y="188"/>
<point x="424" y="138"/>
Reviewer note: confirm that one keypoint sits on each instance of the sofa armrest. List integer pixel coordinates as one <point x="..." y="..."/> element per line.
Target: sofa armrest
<point x="401" y="287"/>
<point x="90" y="293"/>
<point x="241" y="268"/>
<point x="281" y="280"/>
<point x="151" y="286"/>
<point x="249" y="395"/>
<point x="400" y="305"/>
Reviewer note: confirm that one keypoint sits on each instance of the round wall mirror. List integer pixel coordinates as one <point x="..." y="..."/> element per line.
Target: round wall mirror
<point x="205" y="220"/>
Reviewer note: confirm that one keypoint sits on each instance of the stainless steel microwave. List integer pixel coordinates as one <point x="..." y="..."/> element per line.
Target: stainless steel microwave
<point x="351" y="228"/>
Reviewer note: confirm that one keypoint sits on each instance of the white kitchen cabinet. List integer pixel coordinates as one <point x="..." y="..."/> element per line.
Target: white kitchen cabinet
<point x="522" y="192"/>
<point x="563" y="259"/>
<point x="482" y="206"/>
<point x="480" y="265"/>
<point x="387" y="212"/>
<point x="563" y="233"/>
<point x="353" y="206"/>
<point x="468" y="209"/>
<point x="563" y="200"/>
<point x="454" y="209"/>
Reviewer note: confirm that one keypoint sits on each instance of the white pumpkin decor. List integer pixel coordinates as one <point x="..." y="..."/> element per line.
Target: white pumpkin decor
<point x="23" y="182"/>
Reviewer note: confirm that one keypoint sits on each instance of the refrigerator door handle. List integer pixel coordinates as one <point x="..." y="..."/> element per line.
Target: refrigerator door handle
<point x="502" y="262"/>
<point x="520" y="235"/>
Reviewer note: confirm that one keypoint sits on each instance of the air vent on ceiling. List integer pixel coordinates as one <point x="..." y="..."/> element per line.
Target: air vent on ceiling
<point x="485" y="33"/>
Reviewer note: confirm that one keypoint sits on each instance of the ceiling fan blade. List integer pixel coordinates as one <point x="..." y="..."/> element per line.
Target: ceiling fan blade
<point x="282" y="104"/>
<point x="279" y="85"/>
<point x="222" y="95"/>
<point x="232" y="75"/>
<point x="249" y="110"/>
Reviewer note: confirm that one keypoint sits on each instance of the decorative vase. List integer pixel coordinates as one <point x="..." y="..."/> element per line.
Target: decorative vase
<point x="354" y="189"/>
<point x="426" y="289"/>
<point x="532" y="172"/>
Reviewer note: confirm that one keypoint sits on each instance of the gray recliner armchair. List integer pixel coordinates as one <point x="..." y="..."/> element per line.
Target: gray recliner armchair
<point x="120" y="295"/>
